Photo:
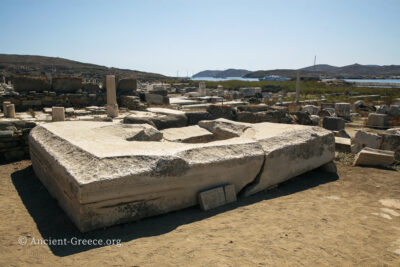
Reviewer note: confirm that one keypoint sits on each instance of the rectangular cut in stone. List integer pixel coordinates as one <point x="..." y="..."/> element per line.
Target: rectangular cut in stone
<point x="230" y="193"/>
<point x="212" y="198"/>
<point x="189" y="134"/>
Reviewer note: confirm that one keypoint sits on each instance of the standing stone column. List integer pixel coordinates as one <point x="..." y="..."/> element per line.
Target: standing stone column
<point x="202" y="88"/>
<point x="112" y="106"/>
<point x="298" y="87"/>
<point x="5" y="103"/>
<point x="58" y="113"/>
<point x="10" y="111"/>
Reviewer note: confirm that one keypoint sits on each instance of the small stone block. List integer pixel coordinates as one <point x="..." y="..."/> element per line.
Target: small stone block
<point x="230" y="193"/>
<point x="212" y="198"/>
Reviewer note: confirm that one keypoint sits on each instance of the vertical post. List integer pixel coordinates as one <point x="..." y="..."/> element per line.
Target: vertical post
<point x="5" y="103"/>
<point x="298" y="87"/>
<point x="58" y="114"/>
<point x="10" y="111"/>
<point x="112" y="106"/>
<point x="202" y="88"/>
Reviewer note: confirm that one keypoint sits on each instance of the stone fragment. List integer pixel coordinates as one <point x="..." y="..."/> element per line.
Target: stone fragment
<point x="189" y="134"/>
<point x="223" y="128"/>
<point x="5" y="103"/>
<point x="329" y="167"/>
<point x="58" y="114"/>
<point x="374" y="157"/>
<point x="311" y="109"/>
<point x="221" y="111"/>
<point x="383" y="109"/>
<point x="10" y="111"/>
<point x="394" y="111"/>
<point x="391" y="141"/>
<point x="156" y="99"/>
<point x="302" y="118"/>
<point x="216" y="197"/>
<point x="212" y="198"/>
<point x="342" y="145"/>
<point x="333" y="123"/>
<point x="378" y="120"/>
<point x="315" y="119"/>
<point x="363" y="139"/>
<point x="343" y="110"/>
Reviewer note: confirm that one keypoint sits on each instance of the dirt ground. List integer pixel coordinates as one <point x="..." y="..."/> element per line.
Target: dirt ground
<point x="314" y="219"/>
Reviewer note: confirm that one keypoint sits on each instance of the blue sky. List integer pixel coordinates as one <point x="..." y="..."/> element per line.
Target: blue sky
<point x="190" y="36"/>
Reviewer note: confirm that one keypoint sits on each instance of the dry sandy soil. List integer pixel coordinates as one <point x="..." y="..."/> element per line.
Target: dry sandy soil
<point x="314" y="219"/>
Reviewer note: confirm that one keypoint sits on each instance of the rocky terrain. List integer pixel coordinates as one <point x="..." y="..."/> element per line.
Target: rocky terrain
<point x="26" y="65"/>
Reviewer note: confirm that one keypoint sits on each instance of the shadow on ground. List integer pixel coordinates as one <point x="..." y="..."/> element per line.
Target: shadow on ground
<point x="53" y="223"/>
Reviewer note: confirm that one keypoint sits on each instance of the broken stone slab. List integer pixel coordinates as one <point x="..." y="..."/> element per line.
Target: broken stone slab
<point x="333" y="123"/>
<point x="391" y="141"/>
<point x="189" y="134"/>
<point x="378" y="120"/>
<point x="311" y="109"/>
<point x="363" y="139"/>
<point x="290" y="150"/>
<point x="105" y="180"/>
<point x="216" y="197"/>
<point x="374" y="157"/>
<point x="158" y="120"/>
<point x="342" y="144"/>
<point x="395" y="131"/>
<point x="223" y="128"/>
<point x="253" y="108"/>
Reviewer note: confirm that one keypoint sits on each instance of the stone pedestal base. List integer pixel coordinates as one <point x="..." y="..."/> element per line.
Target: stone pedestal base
<point x="112" y="110"/>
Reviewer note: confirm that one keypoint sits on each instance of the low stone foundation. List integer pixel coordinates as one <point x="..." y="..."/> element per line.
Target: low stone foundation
<point x="14" y="143"/>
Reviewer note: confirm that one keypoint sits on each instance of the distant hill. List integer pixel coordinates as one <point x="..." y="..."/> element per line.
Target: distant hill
<point x="321" y="68"/>
<point x="11" y="65"/>
<point x="221" y="73"/>
<point x="350" y="71"/>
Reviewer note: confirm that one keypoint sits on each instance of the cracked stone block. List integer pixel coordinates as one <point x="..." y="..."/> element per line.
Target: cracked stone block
<point x="99" y="178"/>
<point x="374" y="157"/>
